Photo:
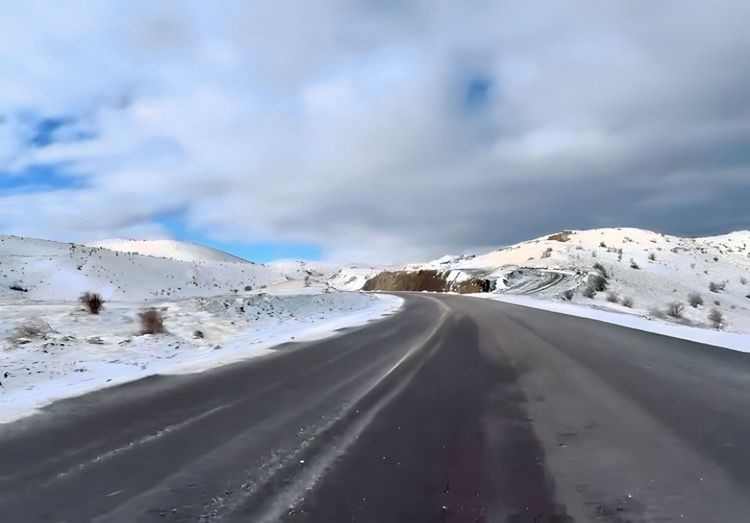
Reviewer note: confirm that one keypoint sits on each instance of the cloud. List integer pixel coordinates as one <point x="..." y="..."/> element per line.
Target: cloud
<point x="376" y="130"/>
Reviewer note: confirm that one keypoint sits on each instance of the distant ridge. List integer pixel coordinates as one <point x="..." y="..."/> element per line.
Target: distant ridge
<point x="172" y="249"/>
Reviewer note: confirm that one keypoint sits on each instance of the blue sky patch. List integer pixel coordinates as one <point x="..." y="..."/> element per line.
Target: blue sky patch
<point x="259" y="252"/>
<point x="44" y="131"/>
<point x="478" y="91"/>
<point x="37" y="178"/>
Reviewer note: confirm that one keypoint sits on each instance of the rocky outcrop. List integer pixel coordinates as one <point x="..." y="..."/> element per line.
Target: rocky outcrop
<point x="425" y="280"/>
<point x="562" y="236"/>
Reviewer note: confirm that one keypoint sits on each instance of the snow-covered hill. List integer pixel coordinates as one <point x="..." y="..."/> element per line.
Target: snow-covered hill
<point x="173" y="249"/>
<point x="46" y="270"/>
<point x="645" y="273"/>
<point x="349" y="277"/>
<point x="215" y="309"/>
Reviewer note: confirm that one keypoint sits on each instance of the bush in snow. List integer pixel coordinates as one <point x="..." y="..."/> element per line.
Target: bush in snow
<point x="92" y="301"/>
<point x="634" y="265"/>
<point x="627" y="302"/>
<point x="547" y="253"/>
<point x="599" y="267"/>
<point x="33" y="329"/>
<point x="597" y="281"/>
<point x="716" y="318"/>
<point x="152" y="321"/>
<point x="716" y="287"/>
<point x="588" y="291"/>
<point x="612" y="297"/>
<point x="652" y="256"/>
<point x="695" y="299"/>
<point x="743" y="280"/>
<point x="567" y="295"/>
<point x="675" y="309"/>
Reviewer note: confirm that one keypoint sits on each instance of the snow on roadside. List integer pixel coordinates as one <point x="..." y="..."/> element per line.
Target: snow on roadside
<point x="727" y="340"/>
<point x="56" y="350"/>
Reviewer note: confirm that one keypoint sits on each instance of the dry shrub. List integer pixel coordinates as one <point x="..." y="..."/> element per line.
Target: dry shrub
<point x="716" y="318"/>
<point x="597" y="282"/>
<point x="695" y="299"/>
<point x="92" y="301"/>
<point x="675" y="309"/>
<point x="612" y="297"/>
<point x="599" y="267"/>
<point x="627" y="302"/>
<point x="32" y="329"/>
<point x="152" y="321"/>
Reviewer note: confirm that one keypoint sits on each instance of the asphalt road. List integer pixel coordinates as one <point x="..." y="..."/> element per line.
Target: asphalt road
<point x="456" y="409"/>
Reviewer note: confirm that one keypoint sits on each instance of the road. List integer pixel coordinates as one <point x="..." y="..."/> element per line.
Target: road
<point x="455" y="409"/>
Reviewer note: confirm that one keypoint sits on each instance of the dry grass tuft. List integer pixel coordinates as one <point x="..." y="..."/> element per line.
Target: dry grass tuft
<point x="152" y="321"/>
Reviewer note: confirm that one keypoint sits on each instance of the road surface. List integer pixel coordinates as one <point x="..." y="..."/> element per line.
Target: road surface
<point x="455" y="409"/>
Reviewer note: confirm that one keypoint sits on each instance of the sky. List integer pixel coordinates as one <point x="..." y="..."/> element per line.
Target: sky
<point x="372" y="130"/>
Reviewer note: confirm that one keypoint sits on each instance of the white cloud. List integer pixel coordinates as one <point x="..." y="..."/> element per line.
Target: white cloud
<point x="349" y="124"/>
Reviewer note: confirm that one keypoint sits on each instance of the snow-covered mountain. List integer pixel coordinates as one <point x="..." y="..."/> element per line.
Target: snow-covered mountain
<point x="645" y="272"/>
<point x="173" y="249"/>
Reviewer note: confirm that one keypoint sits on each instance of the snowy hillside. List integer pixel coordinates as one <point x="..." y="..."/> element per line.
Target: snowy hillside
<point x="173" y="249"/>
<point x="344" y="278"/>
<point x="214" y="308"/>
<point x="47" y="270"/>
<point x="679" y="280"/>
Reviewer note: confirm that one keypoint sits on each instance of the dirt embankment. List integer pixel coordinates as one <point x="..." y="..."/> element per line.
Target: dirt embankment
<point x="425" y="280"/>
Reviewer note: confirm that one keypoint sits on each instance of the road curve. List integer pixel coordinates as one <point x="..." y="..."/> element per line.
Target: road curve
<point x="456" y="409"/>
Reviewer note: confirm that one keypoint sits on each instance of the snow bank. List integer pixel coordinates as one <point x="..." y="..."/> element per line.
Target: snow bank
<point x="727" y="340"/>
<point x="51" y="351"/>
